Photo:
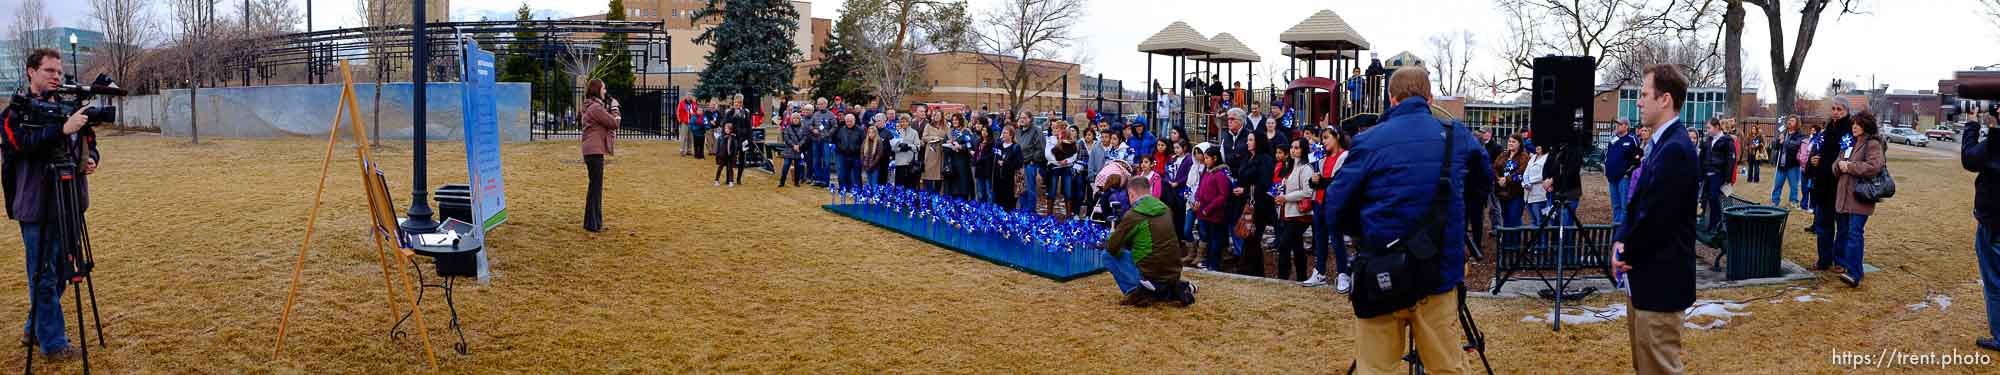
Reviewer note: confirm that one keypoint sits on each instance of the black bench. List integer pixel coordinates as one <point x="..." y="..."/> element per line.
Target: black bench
<point x="1534" y="250"/>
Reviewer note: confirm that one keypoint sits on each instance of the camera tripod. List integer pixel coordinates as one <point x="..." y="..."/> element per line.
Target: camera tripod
<point x="72" y="258"/>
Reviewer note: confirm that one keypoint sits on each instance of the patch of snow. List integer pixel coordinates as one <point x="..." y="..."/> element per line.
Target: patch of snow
<point x="1711" y="314"/>
<point x="1584" y="315"/>
<point x="1919" y="306"/>
<point x="1810" y="298"/>
<point x="1942" y="301"/>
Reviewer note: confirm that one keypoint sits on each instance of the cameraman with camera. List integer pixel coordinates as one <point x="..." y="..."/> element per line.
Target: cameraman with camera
<point x="32" y="144"/>
<point x="1402" y="188"/>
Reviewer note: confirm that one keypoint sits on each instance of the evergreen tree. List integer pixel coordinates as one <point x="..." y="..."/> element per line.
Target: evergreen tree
<point x="753" y="48"/>
<point x="521" y="64"/>
<point x="839" y="74"/>
<point x="614" y="62"/>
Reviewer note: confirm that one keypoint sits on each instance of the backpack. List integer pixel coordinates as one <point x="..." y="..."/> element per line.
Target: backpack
<point x="1393" y="277"/>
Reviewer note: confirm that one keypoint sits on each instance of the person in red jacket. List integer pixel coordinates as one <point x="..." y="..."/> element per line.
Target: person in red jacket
<point x="1211" y="203"/>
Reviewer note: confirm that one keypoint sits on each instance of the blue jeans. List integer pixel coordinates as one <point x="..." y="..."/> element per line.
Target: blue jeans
<point x="793" y="168"/>
<point x="1028" y="179"/>
<point x="1059" y="180"/>
<point x="1785" y="177"/>
<point x="982" y="189"/>
<point x="1123" y="271"/>
<point x="1188" y="224"/>
<point x="1988" y="247"/>
<point x="1852" y="241"/>
<point x="46" y="321"/>
<point x="1216" y="235"/>
<point x="1618" y="195"/>
<point x="1827" y="228"/>
<point x="1510" y="213"/>
<point x="1324" y="242"/>
<point x="1535" y="212"/>
<point x="850" y="169"/>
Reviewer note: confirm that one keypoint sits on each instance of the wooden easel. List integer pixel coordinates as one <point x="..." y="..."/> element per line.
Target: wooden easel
<point x="381" y="210"/>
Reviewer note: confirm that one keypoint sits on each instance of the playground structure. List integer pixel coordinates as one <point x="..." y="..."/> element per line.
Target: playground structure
<point x="1313" y="96"/>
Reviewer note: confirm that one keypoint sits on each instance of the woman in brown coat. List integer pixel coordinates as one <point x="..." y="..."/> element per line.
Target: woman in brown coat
<point x="934" y="137"/>
<point x="600" y="119"/>
<point x="1860" y="158"/>
<point x="1508" y="167"/>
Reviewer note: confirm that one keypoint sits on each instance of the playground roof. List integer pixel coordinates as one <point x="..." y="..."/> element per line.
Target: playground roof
<point x="1233" y="51"/>
<point x="1178" y="39"/>
<point x="1323" y="31"/>
<point x="1316" y="55"/>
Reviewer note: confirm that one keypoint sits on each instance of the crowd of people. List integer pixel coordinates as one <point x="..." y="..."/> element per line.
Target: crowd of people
<point x="1312" y="185"/>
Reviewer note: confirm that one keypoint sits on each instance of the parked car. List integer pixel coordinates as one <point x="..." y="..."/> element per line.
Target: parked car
<point x="1907" y="136"/>
<point x="1942" y="133"/>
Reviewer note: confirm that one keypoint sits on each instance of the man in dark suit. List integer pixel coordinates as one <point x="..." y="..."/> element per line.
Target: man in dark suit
<point x="1718" y="161"/>
<point x="1655" y="249"/>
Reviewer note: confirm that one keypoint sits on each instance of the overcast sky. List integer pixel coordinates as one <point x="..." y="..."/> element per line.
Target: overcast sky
<point x="1905" y="44"/>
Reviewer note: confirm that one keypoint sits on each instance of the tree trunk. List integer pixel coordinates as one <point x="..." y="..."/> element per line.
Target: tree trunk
<point x="376" y="123"/>
<point x="1733" y="56"/>
<point x="194" y="109"/>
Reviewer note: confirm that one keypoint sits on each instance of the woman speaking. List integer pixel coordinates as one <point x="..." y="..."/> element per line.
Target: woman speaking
<point x="600" y="119"/>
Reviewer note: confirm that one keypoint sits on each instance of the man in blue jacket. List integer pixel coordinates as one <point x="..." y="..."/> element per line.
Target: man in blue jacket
<point x="1655" y="249"/>
<point x="1619" y="161"/>
<point x="1385" y="188"/>
<point x="1976" y="156"/>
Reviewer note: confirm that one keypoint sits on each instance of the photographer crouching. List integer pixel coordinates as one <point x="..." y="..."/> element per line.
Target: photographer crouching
<point x="32" y="144"/>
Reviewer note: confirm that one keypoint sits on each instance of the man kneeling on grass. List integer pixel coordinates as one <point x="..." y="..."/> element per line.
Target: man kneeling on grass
<point x="1151" y="270"/>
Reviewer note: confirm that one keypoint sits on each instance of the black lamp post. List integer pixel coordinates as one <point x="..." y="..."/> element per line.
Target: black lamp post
<point x="72" y="56"/>
<point x="420" y="207"/>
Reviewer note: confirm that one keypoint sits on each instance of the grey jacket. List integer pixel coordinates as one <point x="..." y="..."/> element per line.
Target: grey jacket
<point x="796" y="136"/>
<point x="1032" y="143"/>
<point x="905" y="145"/>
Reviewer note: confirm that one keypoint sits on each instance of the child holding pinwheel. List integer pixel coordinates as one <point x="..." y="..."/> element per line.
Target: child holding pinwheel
<point x="1144" y="251"/>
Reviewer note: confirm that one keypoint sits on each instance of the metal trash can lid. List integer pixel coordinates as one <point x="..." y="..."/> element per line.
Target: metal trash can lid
<point x="1754" y="211"/>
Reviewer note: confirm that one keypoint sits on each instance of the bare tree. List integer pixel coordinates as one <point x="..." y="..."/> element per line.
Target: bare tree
<point x="1023" y="41"/>
<point x="890" y="33"/>
<point x="31" y="21"/>
<point x="1451" y="58"/>
<point x="1607" y="30"/>
<point x="128" y="27"/>
<point x="379" y="14"/>
<point x="581" y="62"/>
<point x="1785" y="72"/>
<point x="1991" y="8"/>
<point x="1700" y="61"/>
<point x="196" y="19"/>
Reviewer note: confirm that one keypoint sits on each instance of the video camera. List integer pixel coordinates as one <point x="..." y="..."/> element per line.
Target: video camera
<point x="69" y="97"/>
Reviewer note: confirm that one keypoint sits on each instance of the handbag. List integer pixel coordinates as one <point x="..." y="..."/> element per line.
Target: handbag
<point x="1875" y="189"/>
<point x="1247" y="221"/>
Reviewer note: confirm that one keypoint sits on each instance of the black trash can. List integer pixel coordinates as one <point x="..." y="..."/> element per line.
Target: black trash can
<point x="454" y="201"/>
<point x="1754" y="242"/>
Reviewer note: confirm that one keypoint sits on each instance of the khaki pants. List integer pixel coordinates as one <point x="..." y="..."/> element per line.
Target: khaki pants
<point x="1381" y="341"/>
<point x="1656" y="342"/>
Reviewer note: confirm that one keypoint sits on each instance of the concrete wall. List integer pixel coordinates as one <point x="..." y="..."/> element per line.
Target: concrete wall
<point x="307" y="111"/>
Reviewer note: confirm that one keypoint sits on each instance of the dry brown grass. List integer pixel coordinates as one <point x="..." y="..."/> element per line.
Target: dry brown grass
<point x="196" y="245"/>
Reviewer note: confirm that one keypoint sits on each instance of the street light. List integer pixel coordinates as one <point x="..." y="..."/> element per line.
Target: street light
<point x="420" y="209"/>
<point x="72" y="55"/>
